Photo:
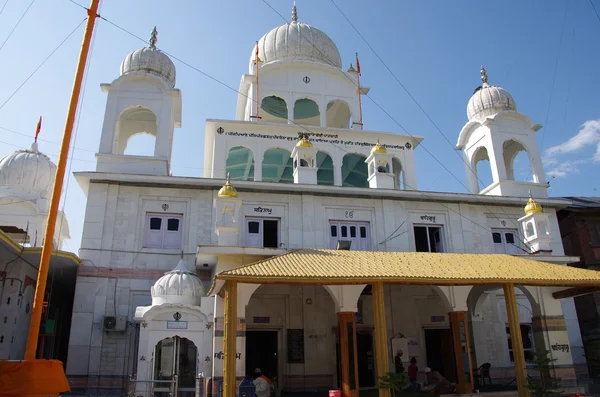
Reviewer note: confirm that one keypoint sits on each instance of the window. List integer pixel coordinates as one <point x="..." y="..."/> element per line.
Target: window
<point x="429" y="239"/>
<point x="262" y="232"/>
<point x="356" y="232"/>
<point x="163" y="231"/>
<point x="595" y="233"/>
<point x="528" y="346"/>
<point x="505" y="241"/>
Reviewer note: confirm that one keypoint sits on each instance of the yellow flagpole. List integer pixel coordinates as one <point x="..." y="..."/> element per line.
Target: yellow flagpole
<point x="359" y="92"/>
<point x="257" y="100"/>
<point x="40" y="288"/>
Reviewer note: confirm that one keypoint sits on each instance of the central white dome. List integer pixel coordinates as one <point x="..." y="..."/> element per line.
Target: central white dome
<point x="178" y="286"/>
<point x="488" y="100"/>
<point x="297" y="41"/>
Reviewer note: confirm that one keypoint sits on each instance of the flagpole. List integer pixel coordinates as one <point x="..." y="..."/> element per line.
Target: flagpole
<point x="40" y="288"/>
<point x="359" y="92"/>
<point x="256" y="99"/>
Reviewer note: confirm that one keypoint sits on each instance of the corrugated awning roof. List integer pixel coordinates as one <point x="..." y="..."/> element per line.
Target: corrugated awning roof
<point x="316" y="266"/>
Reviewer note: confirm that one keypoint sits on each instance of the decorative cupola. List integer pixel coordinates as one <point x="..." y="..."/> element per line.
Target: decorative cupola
<point x="227" y="206"/>
<point x="179" y="286"/>
<point x="381" y="175"/>
<point x="304" y="155"/>
<point x="536" y="229"/>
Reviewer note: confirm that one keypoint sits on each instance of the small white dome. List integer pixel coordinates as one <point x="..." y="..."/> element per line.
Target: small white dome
<point x="297" y="41"/>
<point x="28" y="173"/>
<point x="488" y="100"/>
<point x="150" y="60"/>
<point x="178" y="286"/>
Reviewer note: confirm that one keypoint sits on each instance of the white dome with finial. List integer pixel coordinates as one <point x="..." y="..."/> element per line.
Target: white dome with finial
<point x="28" y="174"/>
<point x="178" y="286"/>
<point x="297" y="41"/>
<point x="488" y="100"/>
<point x="150" y="60"/>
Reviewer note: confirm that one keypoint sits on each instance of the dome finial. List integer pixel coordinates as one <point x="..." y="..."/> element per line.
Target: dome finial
<point x="294" y="13"/>
<point x="153" y="38"/>
<point x="532" y="206"/>
<point x="484" y="77"/>
<point x="228" y="190"/>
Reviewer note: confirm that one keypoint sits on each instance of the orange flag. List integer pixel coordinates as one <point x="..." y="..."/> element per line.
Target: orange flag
<point x="38" y="128"/>
<point x="357" y="64"/>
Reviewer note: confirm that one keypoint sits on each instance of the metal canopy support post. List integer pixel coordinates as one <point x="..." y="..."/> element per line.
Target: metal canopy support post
<point x="381" y="343"/>
<point x="516" y="340"/>
<point x="229" y="339"/>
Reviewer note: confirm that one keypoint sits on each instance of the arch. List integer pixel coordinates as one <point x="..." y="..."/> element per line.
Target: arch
<point x="134" y="121"/>
<point x="325" y="169"/>
<point x="488" y="322"/>
<point x="240" y="163"/>
<point x="514" y="159"/>
<point x="277" y="166"/>
<point x="176" y="355"/>
<point x="354" y="170"/>
<point x="274" y="109"/>
<point x="398" y="174"/>
<point x="306" y="112"/>
<point x="338" y="114"/>
<point x="481" y="168"/>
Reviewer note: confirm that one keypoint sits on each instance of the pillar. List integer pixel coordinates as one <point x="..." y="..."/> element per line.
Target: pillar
<point x="229" y="339"/>
<point x="462" y="351"/>
<point x="381" y="342"/>
<point x="516" y="340"/>
<point x="348" y="353"/>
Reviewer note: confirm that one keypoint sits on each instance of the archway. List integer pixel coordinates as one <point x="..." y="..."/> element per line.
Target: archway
<point x="290" y="337"/>
<point x="398" y="174"/>
<point x="176" y="356"/>
<point x="482" y="168"/>
<point x="488" y="321"/>
<point x="306" y="112"/>
<point x="354" y="170"/>
<point x="325" y="169"/>
<point x="140" y="144"/>
<point x="277" y="166"/>
<point x="135" y="121"/>
<point x="338" y="114"/>
<point x="274" y="110"/>
<point x="240" y="163"/>
<point x="517" y="161"/>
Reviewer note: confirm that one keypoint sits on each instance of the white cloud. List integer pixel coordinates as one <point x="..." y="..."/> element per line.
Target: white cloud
<point x="588" y="135"/>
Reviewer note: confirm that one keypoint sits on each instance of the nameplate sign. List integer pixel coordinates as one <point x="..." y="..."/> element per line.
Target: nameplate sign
<point x="560" y="348"/>
<point x="264" y="210"/>
<point x="261" y="320"/>
<point x="428" y="218"/>
<point x="177" y="325"/>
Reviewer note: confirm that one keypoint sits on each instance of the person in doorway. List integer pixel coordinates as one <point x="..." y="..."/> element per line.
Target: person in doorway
<point x="398" y="361"/>
<point x="412" y="373"/>
<point x="261" y="383"/>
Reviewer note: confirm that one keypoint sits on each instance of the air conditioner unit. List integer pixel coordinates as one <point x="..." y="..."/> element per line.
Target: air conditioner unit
<point x="115" y="323"/>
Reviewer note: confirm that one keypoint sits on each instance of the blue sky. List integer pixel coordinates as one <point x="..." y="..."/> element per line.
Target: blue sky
<point x="546" y="54"/>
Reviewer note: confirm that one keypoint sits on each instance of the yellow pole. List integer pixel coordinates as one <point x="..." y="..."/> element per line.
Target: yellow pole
<point x="517" y="342"/>
<point x="40" y="288"/>
<point x="229" y="339"/>
<point x="359" y="98"/>
<point x="381" y="343"/>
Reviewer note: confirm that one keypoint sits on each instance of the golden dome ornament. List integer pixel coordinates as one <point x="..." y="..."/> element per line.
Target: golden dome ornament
<point x="228" y="190"/>
<point x="532" y="206"/>
<point x="304" y="142"/>
<point x="378" y="148"/>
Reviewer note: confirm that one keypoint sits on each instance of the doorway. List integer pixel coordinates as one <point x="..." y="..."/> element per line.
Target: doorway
<point x="440" y="352"/>
<point x="261" y="352"/>
<point x="364" y="347"/>
<point x="175" y="356"/>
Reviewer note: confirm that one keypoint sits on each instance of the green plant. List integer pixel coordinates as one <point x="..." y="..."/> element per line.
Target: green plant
<point x="393" y="381"/>
<point x="545" y="385"/>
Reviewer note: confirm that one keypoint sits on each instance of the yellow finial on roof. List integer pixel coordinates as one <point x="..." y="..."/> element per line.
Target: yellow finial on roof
<point x="228" y="190"/>
<point x="304" y="142"/>
<point x="378" y="148"/>
<point x="532" y="206"/>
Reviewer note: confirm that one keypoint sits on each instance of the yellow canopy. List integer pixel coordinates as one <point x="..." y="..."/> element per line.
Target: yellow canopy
<point x="317" y="266"/>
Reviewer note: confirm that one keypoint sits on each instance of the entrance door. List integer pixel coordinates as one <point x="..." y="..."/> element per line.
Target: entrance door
<point x="175" y="356"/>
<point x="440" y="352"/>
<point x="261" y="352"/>
<point x="364" y="347"/>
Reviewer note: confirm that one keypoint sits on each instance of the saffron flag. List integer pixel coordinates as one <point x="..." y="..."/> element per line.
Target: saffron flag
<point x="357" y="65"/>
<point x="38" y="128"/>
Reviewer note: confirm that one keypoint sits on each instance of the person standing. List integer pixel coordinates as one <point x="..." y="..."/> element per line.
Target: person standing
<point x="398" y="361"/>
<point x="261" y="383"/>
<point x="412" y="373"/>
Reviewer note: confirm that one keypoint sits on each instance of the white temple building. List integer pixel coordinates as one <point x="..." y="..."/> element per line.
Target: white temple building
<point x="296" y="172"/>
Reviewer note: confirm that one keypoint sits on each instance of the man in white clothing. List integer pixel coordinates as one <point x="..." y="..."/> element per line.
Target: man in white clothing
<point x="263" y="389"/>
